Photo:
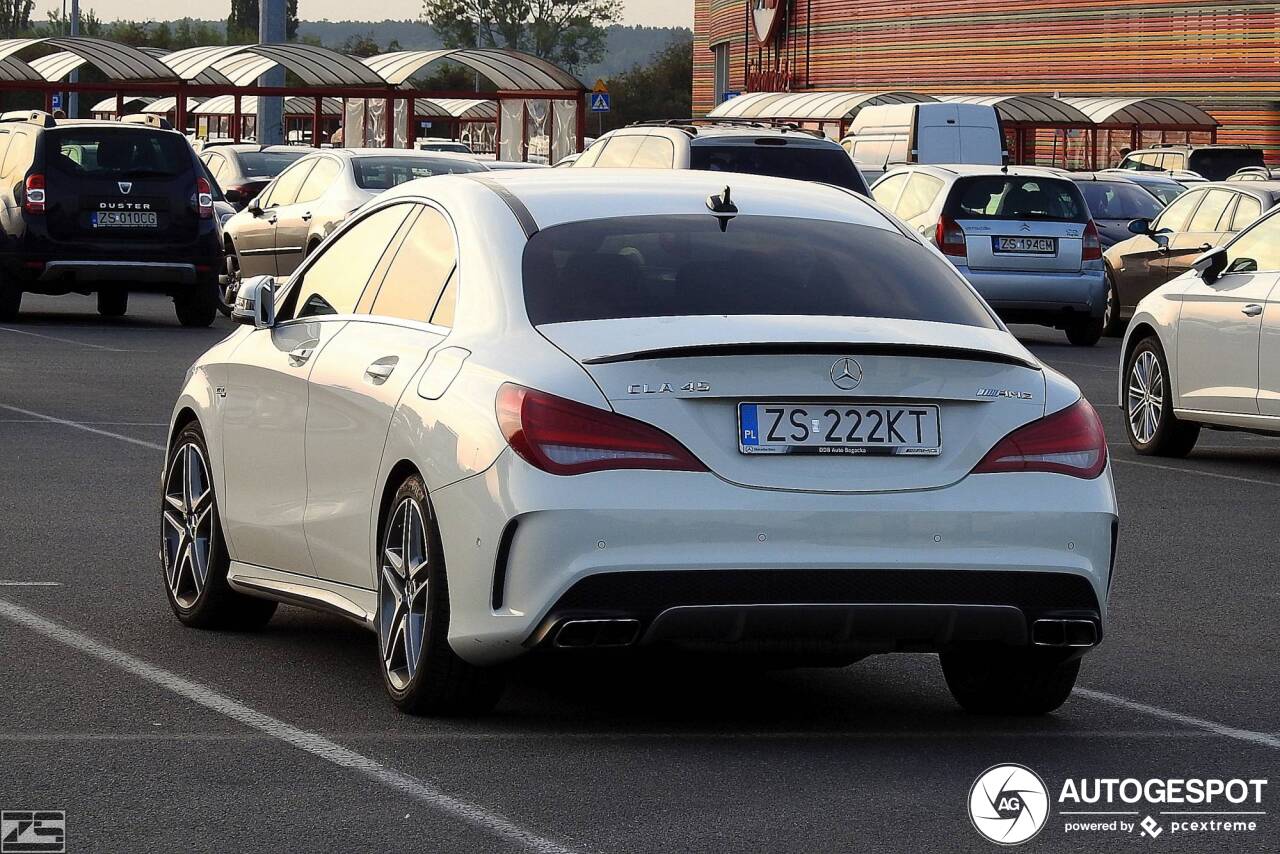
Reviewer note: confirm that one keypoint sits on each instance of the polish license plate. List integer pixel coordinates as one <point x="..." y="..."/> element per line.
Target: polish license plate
<point x="863" y="429"/>
<point x="1034" y="245"/>
<point x="124" y="219"/>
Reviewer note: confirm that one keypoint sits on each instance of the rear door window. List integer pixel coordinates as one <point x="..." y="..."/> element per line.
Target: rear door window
<point x="888" y="191"/>
<point x="334" y="282"/>
<point x="685" y="265"/>
<point x="825" y="164"/>
<point x="320" y="179"/>
<point x="417" y="275"/>
<point x="620" y="151"/>
<point x="1175" y="216"/>
<point x="1247" y="211"/>
<point x="1017" y="197"/>
<point x="656" y="152"/>
<point x="919" y="196"/>
<point x="286" y="186"/>
<point x="1210" y="211"/>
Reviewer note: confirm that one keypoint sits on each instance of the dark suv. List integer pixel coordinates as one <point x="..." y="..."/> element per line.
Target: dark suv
<point x="1212" y="162"/>
<point x="107" y="208"/>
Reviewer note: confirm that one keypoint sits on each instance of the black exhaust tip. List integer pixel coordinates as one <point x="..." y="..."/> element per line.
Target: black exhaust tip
<point x="581" y="634"/>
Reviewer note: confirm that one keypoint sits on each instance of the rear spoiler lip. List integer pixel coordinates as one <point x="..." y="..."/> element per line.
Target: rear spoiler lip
<point x="839" y="348"/>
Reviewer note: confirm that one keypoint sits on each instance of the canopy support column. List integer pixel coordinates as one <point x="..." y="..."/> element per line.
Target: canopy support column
<point x="180" y="110"/>
<point x="389" y="123"/>
<point x="235" y="118"/>
<point x="581" y="134"/>
<point x="315" y="121"/>
<point x="119" y="105"/>
<point x="410" y="121"/>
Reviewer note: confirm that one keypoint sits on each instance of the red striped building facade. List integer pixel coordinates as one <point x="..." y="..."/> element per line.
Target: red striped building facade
<point x="1222" y="56"/>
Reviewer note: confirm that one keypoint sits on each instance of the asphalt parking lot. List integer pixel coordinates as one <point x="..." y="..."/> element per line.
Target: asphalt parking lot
<point x="153" y="737"/>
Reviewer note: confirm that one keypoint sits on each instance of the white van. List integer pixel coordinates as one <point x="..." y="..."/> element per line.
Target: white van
<point x="893" y="134"/>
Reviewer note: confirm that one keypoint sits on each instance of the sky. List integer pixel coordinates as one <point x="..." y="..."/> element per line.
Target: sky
<point x="649" y="12"/>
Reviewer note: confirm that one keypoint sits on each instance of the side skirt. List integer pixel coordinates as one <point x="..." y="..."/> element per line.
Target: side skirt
<point x="354" y="603"/>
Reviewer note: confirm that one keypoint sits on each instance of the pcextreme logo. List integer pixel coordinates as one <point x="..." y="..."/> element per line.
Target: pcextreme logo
<point x="1010" y="804"/>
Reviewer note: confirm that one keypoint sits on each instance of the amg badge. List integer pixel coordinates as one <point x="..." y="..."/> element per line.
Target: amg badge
<point x="1004" y="392"/>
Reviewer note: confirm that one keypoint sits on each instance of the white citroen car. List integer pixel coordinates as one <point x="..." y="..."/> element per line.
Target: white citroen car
<point x="1204" y="349"/>
<point x="550" y="411"/>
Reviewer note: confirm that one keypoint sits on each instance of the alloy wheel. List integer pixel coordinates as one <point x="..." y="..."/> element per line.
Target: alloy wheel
<point x="1145" y="397"/>
<point x="188" y="524"/>
<point x="402" y="593"/>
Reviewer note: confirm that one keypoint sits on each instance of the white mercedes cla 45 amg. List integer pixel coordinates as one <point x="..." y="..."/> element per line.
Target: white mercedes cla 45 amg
<point x="549" y="412"/>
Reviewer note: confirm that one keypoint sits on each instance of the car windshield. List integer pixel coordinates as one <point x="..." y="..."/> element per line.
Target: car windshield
<point x="267" y="164"/>
<point x="93" y="152"/>
<point x="383" y="173"/>
<point x="1218" y="164"/>
<point x="683" y="265"/>
<point x="1017" y="197"/>
<point x="1116" y="200"/>
<point x="1166" y="193"/>
<point x="802" y="162"/>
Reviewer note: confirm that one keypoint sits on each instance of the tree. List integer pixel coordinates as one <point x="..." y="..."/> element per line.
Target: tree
<point x="663" y="89"/>
<point x="364" y="44"/>
<point x="242" y="23"/>
<point x="15" y="17"/>
<point x="569" y="33"/>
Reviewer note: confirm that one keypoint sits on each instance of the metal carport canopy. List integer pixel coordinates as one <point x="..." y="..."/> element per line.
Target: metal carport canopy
<point x="119" y="62"/>
<point x="809" y="106"/>
<point x="1027" y="109"/>
<point x="457" y="108"/>
<point x="298" y="105"/>
<point x="240" y="65"/>
<point x="509" y="70"/>
<point x="1151" y="113"/>
<point x="108" y="105"/>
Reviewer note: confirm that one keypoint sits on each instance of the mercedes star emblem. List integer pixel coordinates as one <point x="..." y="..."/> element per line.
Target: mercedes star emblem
<point x="846" y="374"/>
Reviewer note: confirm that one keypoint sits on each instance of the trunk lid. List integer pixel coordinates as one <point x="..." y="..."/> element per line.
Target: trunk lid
<point x="1020" y="222"/>
<point x="687" y="375"/>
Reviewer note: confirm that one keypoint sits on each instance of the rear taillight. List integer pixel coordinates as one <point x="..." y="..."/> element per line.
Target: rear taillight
<point x="1091" y="245"/>
<point x="950" y="238"/>
<point x="1070" y="441"/>
<point x="33" y="194"/>
<point x="565" y="437"/>
<point x="204" y="198"/>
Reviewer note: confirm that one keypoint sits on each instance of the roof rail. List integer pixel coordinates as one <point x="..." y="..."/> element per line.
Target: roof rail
<point x="149" y="119"/>
<point x="1199" y="145"/>
<point x="690" y="126"/>
<point x="35" y="117"/>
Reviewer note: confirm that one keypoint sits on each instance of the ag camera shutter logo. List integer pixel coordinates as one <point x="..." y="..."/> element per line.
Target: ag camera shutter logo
<point x="1008" y="804"/>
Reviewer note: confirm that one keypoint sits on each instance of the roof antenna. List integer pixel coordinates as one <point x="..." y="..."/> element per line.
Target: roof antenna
<point x="723" y="208"/>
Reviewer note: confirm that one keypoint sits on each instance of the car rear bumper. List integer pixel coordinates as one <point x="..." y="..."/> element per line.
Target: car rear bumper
<point x="144" y="272"/>
<point x="695" y="561"/>
<point x="1047" y="296"/>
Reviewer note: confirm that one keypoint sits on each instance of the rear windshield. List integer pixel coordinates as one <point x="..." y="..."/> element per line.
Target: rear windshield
<point x="1218" y="164"/>
<point x="383" y="173"/>
<point x="1166" y="193"/>
<point x="267" y="164"/>
<point x="673" y="266"/>
<point x="804" y="163"/>
<point x="1114" y="200"/>
<point x="1016" y="197"/>
<point x="93" y="152"/>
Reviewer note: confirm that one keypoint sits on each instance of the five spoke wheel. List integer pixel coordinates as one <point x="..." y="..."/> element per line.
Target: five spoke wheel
<point x="403" y="593"/>
<point x="188" y="524"/>
<point x="1145" y="397"/>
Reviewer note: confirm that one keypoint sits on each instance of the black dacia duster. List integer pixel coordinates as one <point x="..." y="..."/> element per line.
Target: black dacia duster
<point x="108" y="208"/>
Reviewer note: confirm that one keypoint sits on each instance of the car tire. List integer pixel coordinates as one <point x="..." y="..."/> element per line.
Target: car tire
<point x="1149" y="421"/>
<point x="198" y="305"/>
<point x="1112" y="325"/>
<point x="193" y="552"/>
<point x="1085" y="333"/>
<point x="113" y="302"/>
<point x="1009" y="680"/>
<point x="421" y="672"/>
<point x="10" y="301"/>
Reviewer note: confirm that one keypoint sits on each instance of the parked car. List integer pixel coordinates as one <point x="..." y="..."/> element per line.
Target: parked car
<point x="1165" y="247"/>
<point x="448" y="145"/>
<point x="105" y="208"/>
<point x="1114" y="202"/>
<point x="726" y="146"/>
<point x="893" y="134"/>
<point x="243" y="169"/>
<point x="1022" y="236"/>
<point x="1212" y="162"/>
<point x="1256" y="173"/>
<point x="512" y="165"/>
<point x="555" y="415"/>
<point x="1160" y="185"/>
<point x="1204" y="348"/>
<point x="307" y="201"/>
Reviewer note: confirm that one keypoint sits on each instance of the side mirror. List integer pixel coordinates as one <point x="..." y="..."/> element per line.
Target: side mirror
<point x="234" y="197"/>
<point x="1141" y="225"/>
<point x="256" y="303"/>
<point x="255" y="206"/>
<point x="1210" y="265"/>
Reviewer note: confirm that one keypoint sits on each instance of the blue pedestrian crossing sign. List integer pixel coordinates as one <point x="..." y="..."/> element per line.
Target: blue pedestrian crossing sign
<point x="599" y="102"/>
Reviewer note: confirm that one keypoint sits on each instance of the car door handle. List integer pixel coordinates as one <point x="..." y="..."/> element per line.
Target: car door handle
<point x="1252" y="309"/>
<point x="380" y="370"/>
<point x="301" y="355"/>
<point x="306" y="216"/>
<point x="1205" y="247"/>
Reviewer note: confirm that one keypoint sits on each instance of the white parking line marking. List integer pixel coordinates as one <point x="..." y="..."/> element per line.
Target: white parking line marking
<point x="63" y="340"/>
<point x="313" y="743"/>
<point x="30" y="583"/>
<point x="1234" y="477"/>
<point x="99" y="423"/>
<point x="80" y="425"/>
<point x="1259" y="738"/>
